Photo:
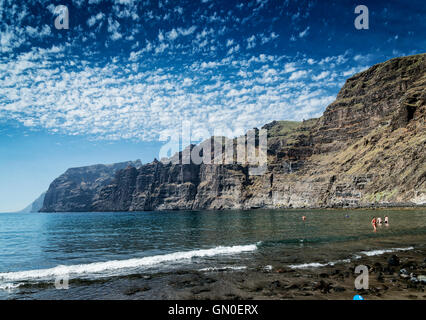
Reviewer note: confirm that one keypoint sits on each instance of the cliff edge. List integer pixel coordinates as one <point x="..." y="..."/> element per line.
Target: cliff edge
<point x="368" y="149"/>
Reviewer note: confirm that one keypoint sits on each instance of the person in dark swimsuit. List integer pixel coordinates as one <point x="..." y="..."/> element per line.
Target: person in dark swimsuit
<point x="386" y="221"/>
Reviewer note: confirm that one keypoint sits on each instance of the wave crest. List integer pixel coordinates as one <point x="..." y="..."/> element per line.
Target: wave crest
<point x="118" y="265"/>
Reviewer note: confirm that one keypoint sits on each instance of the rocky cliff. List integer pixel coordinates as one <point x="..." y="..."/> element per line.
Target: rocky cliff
<point x="368" y="149"/>
<point x="36" y="205"/>
<point x="77" y="187"/>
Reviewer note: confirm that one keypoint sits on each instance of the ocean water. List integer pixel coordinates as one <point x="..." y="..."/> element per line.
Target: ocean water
<point x="40" y="247"/>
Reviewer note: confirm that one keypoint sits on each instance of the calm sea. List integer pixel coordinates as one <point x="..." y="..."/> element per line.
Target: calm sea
<point x="40" y="247"/>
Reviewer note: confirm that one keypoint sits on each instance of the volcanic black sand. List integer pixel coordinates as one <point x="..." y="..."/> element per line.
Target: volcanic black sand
<point x="386" y="281"/>
<point x="393" y="275"/>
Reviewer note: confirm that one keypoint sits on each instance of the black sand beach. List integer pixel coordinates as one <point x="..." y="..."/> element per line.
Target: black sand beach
<point x="398" y="275"/>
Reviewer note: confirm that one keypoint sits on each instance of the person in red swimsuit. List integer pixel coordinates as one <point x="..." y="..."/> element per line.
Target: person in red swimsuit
<point x="374" y="223"/>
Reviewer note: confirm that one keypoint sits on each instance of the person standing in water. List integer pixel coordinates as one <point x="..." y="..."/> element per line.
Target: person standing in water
<point x="386" y="220"/>
<point x="379" y="221"/>
<point x="374" y="223"/>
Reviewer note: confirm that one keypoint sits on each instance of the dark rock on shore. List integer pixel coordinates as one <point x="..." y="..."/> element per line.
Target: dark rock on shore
<point x="252" y="283"/>
<point x="134" y="290"/>
<point x="393" y="261"/>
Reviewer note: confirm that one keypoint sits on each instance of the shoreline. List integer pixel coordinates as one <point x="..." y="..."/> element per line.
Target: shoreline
<point x="378" y="207"/>
<point x="295" y="260"/>
<point x="263" y="282"/>
<point x="331" y="282"/>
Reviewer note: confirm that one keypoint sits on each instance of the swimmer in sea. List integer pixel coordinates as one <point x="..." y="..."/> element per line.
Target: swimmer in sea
<point x="374" y="223"/>
<point x="303" y="218"/>
<point x="379" y="221"/>
<point x="386" y="221"/>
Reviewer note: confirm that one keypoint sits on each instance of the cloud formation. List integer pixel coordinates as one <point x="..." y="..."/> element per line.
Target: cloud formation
<point x="135" y="69"/>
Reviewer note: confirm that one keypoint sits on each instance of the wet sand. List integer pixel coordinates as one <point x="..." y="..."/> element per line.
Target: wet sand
<point x="329" y="282"/>
<point x="387" y="280"/>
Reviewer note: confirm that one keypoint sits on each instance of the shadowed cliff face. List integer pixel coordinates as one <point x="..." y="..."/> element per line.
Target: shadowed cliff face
<point x="367" y="149"/>
<point x="76" y="188"/>
<point x="35" y="206"/>
<point x="369" y="100"/>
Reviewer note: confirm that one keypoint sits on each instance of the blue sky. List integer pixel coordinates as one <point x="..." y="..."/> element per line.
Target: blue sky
<point x="122" y="78"/>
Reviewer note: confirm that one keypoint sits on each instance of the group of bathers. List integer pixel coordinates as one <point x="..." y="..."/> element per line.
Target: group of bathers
<point x="378" y="221"/>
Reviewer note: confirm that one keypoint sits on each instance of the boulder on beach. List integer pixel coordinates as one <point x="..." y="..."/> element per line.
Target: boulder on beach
<point x="393" y="260"/>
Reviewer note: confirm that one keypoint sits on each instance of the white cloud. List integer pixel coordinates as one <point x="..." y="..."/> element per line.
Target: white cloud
<point x="266" y="39"/>
<point x="354" y="70"/>
<point x="113" y="28"/>
<point x="187" y="82"/>
<point x="94" y="19"/>
<point x="172" y="35"/>
<point x="10" y="39"/>
<point x="321" y="76"/>
<point x="304" y="33"/>
<point x="160" y="36"/>
<point x="298" y="75"/>
<point x="115" y="101"/>
<point x="161" y="48"/>
<point x="168" y="73"/>
<point x="234" y="49"/>
<point x="251" y="42"/>
<point x="187" y="31"/>
<point x="362" y="58"/>
<point x="175" y="33"/>
<point x="289" y="67"/>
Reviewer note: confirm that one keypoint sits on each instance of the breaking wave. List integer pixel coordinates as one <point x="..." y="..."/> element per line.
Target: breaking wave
<point x="118" y="266"/>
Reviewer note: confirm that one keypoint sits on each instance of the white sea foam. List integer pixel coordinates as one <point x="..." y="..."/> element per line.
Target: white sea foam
<point x="355" y="257"/>
<point x="307" y="265"/>
<point x="120" y="265"/>
<point x="317" y="264"/>
<point x="379" y="252"/>
<point x="267" y="268"/>
<point x="9" y="286"/>
<point x="226" y="268"/>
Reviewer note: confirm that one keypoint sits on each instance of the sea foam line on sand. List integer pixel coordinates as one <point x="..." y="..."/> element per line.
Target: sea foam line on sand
<point x="317" y="264"/>
<point x="116" y="265"/>
<point x="379" y="252"/>
<point x="226" y="268"/>
<point x="356" y="257"/>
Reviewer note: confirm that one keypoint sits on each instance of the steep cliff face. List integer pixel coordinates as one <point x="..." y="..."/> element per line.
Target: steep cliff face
<point x="36" y="205"/>
<point x="159" y="186"/>
<point x="77" y="187"/>
<point x="369" y="100"/>
<point x="367" y="149"/>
